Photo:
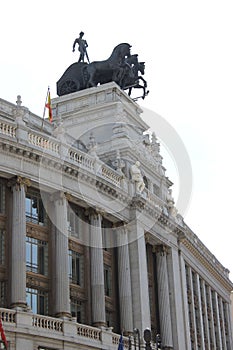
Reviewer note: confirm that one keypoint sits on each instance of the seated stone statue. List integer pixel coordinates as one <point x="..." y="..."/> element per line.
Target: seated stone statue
<point x="137" y="177"/>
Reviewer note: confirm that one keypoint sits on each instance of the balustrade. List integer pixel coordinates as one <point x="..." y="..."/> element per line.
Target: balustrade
<point x="43" y="143"/>
<point x="7" y="129"/>
<point x="7" y="315"/>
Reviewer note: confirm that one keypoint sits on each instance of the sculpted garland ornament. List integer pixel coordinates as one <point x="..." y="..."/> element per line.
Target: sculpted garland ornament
<point x="121" y="67"/>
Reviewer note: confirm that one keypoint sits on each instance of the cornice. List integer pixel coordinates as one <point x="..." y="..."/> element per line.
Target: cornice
<point x="206" y="260"/>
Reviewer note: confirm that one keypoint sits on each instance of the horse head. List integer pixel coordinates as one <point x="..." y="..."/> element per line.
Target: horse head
<point x="141" y="67"/>
<point x="133" y="59"/>
<point x="120" y="52"/>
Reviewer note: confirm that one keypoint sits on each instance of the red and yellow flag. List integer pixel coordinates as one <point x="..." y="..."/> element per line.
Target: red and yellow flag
<point x="3" y="336"/>
<point x="48" y="105"/>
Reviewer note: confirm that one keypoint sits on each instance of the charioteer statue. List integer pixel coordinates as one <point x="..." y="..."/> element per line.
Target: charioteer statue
<point x="121" y="67"/>
<point x="82" y="47"/>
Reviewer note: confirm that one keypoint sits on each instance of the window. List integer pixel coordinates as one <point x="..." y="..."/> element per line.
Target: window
<point x="145" y="181"/>
<point x="2" y="294"/>
<point x="2" y="247"/>
<point x="77" y="310"/>
<point x="38" y="301"/>
<point x="108" y="315"/>
<point x="36" y="256"/>
<point x="156" y="190"/>
<point x="35" y="211"/>
<point x="107" y="234"/>
<point x="75" y="216"/>
<point x="107" y="280"/>
<point x="2" y="198"/>
<point x="76" y="267"/>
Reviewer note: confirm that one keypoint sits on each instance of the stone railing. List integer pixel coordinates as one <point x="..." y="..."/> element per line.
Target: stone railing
<point x="7" y="315"/>
<point x="7" y="129"/>
<point x="82" y="159"/>
<point x="111" y="175"/>
<point x="153" y="199"/>
<point x="88" y="332"/>
<point x="43" y="143"/>
<point x="47" y="323"/>
<point x="59" y="328"/>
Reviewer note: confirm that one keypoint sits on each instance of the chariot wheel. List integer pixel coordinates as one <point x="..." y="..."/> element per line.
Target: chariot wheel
<point x="68" y="87"/>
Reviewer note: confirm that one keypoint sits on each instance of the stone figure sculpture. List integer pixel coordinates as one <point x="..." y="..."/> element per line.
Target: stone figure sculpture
<point x="82" y="47"/>
<point x="137" y="177"/>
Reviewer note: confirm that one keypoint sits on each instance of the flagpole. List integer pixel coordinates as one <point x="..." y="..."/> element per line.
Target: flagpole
<point x="44" y="108"/>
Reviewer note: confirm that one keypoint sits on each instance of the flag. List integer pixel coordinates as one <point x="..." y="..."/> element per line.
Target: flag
<point x="48" y="105"/>
<point x="121" y="345"/>
<point x="3" y="336"/>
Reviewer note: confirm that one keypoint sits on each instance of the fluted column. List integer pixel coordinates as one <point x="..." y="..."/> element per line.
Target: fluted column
<point x="60" y="256"/>
<point x="97" y="270"/>
<point x="163" y="296"/>
<point x="139" y="277"/>
<point x="212" y="330"/>
<point x="206" y="321"/>
<point x="218" y="327"/>
<point x="223" y="326"/>
<point x="124" y="280"/>
<point x="18" y="243"/>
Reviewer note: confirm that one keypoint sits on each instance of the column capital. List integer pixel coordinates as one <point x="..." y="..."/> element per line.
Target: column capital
<point x="18" y="182"/>
<point x="120" y="225"/>
<point x="58" y="196"/>
<point x="160" y="249"/>
<point x="95" y="213"/>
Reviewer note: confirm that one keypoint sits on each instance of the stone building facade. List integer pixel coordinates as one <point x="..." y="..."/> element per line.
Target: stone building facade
<point x="92" y="247"/>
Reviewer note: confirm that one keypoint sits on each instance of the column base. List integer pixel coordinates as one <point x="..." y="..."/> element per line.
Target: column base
<point x="127" y="333"/>
<point x="19" y="306"/>
<point x="64" y="315"/>
<point x="99" y="324"/>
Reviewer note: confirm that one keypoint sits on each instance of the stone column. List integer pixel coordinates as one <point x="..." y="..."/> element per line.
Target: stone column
<point x="97" y="270"/>
<point x="124" y="280"/>
<point x="176" y="299"/>
<point x="223" y="327"/>
<point x="206" y="321"/>
<point x="163" y="297"/>
<point x="212" y="330"/>
<point x="218" y="327"/>
<point x="139" y="277"/>
<point x="18" y="244"/>
<point x="60" y="257"/>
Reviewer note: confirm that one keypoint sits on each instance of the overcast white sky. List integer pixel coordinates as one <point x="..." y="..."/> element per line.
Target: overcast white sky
<point x="187" y="47"/>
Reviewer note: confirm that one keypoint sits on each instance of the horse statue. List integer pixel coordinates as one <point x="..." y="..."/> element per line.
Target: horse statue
<point x="100" y="72"/>
<point x="121" y="67"/>
<point x="131" y="78"/>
